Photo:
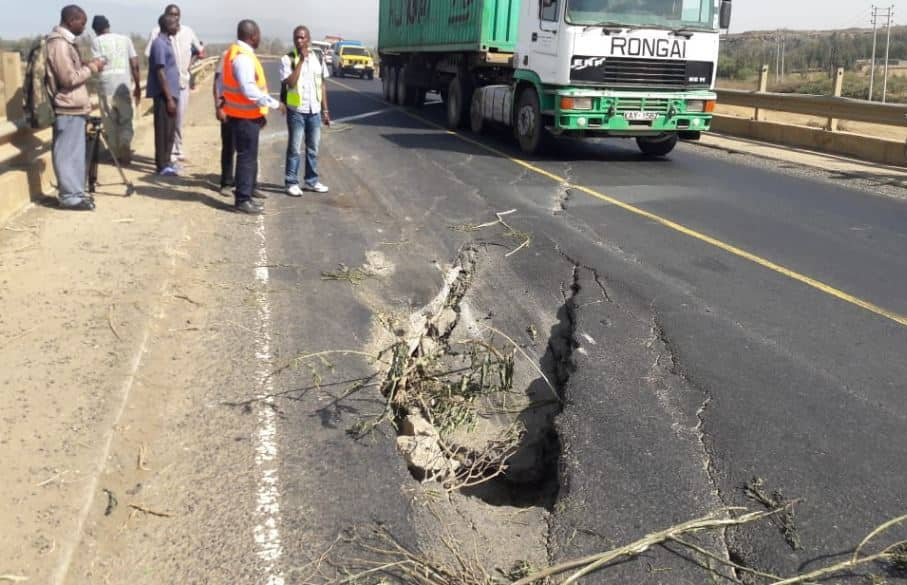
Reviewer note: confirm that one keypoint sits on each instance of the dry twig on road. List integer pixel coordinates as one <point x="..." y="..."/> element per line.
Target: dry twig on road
<point x="509" y="231"/>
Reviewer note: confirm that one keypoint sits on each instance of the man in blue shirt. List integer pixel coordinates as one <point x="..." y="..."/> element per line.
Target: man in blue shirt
<point x="163" y="88"/>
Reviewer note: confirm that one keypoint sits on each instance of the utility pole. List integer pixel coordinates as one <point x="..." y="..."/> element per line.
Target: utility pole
<point x="778" y="56"/>
<point x="887" y="46"/>
<point x="783" y="40"/>
<point x="872" y="66"/>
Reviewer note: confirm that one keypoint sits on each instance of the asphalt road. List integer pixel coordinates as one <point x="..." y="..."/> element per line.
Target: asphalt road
<point x="756" y="336"/>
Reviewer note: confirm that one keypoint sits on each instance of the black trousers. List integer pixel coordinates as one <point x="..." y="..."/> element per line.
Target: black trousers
<point x="227" y="152"/>
<point x="245" y="140"/>
<point x="164" y="133"/>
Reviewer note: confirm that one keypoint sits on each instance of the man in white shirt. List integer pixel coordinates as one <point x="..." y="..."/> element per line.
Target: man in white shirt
<point x="186" y="46"/>
<point x="115" y="94"/>
<point x="305" y="94"/>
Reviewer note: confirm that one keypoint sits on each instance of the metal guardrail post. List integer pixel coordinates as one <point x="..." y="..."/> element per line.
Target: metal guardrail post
<point x="839" y="86"/>
<point x="758" y="114"/>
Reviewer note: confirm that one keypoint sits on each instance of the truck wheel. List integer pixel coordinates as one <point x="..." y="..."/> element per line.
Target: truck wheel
<point x="476" y="119"/>
<point x="404" y="92"/>
<point x="386" y="85"/>
<point x="392" y="74"/>
<point x="657" y="145"/>
<point x="371" y="75"/>
<point x="459" y="94"/>
<point x="528" y="125"/>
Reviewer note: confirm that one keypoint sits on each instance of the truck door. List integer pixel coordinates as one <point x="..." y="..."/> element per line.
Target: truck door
<point x="544" y="40"/>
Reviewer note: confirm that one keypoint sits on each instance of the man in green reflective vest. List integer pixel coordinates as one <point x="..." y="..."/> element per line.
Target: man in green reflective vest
<point x="306" y="96"/>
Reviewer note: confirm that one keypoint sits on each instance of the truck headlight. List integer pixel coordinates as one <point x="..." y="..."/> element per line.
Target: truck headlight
<point x="576" y="103"/>
<point x="700" y="106"/>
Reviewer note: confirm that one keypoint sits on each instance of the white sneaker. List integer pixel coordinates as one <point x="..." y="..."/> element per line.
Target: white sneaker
<point x="294" y="191"/>
<point x="318" y="187"/>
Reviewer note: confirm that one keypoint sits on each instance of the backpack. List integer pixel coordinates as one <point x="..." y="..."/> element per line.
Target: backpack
<point x="38" y="99"/>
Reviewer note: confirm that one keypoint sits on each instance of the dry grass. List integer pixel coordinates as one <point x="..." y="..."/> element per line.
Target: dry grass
<point x="355" y="276"/>
<point x="392" y="562"/>
<point x="525" y="238"/>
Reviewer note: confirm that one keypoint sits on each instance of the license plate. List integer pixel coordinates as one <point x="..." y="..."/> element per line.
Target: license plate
<point x="640" y="116"/>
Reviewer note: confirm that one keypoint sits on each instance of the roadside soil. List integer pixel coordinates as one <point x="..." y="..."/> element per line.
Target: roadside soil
<point x="120" y="330"/>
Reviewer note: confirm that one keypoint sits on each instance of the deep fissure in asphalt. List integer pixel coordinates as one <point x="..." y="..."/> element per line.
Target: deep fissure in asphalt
<point x="531" y="477"/>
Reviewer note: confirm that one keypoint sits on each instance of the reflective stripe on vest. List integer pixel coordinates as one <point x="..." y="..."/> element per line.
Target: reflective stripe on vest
<point x="237" y="105"/>
<point x="294" y="96"/>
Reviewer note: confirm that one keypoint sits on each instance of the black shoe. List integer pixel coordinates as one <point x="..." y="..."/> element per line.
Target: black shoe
<point x="85" y="204"/>
<point x="259" y="194"/>
<point x="249" y="207"/>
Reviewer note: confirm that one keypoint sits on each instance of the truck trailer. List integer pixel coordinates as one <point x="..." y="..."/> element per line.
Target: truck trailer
<point x="642" y="69"/>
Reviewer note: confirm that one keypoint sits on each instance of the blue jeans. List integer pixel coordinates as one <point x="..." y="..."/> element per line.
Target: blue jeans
<point x="308" y="127"/>
<point x="69" y="158"/>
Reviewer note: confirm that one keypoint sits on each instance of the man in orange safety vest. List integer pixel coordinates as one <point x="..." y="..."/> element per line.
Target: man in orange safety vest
<point x="246" y="102"/>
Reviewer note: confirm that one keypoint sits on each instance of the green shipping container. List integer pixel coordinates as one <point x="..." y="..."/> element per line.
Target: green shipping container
<point x="407" y="26"/>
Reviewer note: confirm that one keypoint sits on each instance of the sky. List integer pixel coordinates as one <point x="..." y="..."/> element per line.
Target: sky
<point x="215" y="20"/>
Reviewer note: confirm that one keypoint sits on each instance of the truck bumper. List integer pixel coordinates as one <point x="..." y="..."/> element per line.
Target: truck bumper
<point x="632" y="114"/>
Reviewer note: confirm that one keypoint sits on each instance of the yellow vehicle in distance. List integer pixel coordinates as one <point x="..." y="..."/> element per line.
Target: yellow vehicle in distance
<point x="353" y="60"/>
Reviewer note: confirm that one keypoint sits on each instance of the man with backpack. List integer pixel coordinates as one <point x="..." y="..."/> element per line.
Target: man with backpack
<point x="65" y="76"/>
<point x="306" y="97"/>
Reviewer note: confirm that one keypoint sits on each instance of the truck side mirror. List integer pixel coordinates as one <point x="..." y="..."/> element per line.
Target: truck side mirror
<point x="724" y="18"/>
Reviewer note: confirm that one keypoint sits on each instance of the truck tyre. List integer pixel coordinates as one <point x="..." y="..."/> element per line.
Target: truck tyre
<point x="528" y="125"/>
<point x="476" y="119"/>
<point x="459" y="94"/>
<point x="371" y="75"/>
<point x="657" y="145"/>
<point x="392" y="73"/>
<point x="385" y="84"/>
<point x="404" y="92"/>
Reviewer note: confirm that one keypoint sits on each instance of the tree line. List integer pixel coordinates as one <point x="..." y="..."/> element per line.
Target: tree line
<point x="742" y="55"/>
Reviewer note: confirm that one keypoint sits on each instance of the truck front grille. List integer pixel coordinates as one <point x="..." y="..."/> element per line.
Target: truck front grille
<point x="642" y="105"/>
<point x="649" y="73"/>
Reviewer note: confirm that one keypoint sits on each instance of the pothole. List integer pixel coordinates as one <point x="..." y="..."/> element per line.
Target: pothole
<point x="474" y="413"/>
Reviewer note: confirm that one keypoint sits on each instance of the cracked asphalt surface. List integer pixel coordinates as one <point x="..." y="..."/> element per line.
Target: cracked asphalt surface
<point x="691" y="371"/>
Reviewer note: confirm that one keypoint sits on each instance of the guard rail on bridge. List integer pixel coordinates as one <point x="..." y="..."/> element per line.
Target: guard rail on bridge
<point x="831" y="107"/>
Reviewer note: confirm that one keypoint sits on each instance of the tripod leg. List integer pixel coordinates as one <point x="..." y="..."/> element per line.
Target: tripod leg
<point x="130" y="189"/>
<point x="93" y="151"/>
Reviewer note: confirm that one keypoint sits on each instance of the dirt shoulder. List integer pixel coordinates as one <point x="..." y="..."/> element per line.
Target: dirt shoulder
<point x="115" y="347"/>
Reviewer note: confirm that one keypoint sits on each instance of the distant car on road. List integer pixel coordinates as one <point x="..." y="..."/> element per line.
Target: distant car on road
<point x="324" y="59"/>
<point x="326" y="53"/>
<point x="353" y="60"/>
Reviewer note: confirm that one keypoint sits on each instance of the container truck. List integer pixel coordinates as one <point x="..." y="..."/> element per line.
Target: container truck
<point x="642" y="69"/>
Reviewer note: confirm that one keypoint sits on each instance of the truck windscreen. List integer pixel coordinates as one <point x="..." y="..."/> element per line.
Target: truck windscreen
<point x="697" y="14"/>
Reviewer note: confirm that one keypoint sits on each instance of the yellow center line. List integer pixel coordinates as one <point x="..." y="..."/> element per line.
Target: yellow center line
<point x="673" y="225"/>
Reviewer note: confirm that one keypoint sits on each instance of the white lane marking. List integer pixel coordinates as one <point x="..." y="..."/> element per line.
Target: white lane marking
<point x="282" y="134"/>
<point x="267" y="529"/>
<point x="361" y="116"/>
